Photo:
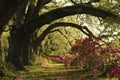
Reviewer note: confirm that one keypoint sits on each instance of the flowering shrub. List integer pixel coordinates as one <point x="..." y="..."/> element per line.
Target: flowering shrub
<point x="90" y="55"/>
<point x="67" y="59"/>
<point x="19" y="79"/>
<point x="114" y="72"/>
<point x="94" y="57"/>
<point x="56" y="59"/>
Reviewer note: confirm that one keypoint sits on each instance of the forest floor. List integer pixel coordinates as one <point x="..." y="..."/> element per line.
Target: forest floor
<point x="54" y="72"/>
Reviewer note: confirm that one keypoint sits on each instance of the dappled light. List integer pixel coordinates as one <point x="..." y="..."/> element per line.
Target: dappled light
<point x="60" y="40"/>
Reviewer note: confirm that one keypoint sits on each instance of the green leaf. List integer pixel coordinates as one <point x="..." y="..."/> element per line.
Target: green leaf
<point x="118" y="34"/>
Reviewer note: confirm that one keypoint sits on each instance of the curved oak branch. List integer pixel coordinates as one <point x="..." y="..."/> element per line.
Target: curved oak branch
<point x="37" y="22"/>
<point x="7" y="10"/>
<point x="60" y="24"/>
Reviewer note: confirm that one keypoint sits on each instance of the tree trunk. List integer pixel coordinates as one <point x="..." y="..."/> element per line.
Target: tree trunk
<point x="1" y="60"/>
<point x="20" y="52"/>
<point x="15" y="52"/>
<point x="26" y="54"/>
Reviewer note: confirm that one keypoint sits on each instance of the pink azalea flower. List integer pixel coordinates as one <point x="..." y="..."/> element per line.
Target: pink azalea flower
<point x="19" y="79"/>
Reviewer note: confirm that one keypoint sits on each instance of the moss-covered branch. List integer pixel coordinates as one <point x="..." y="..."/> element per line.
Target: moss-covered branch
<point x="61" y="24"/>
<point x="46" y="18"/>
<point x="58" y="30"/>
<point x="7" y="9"/>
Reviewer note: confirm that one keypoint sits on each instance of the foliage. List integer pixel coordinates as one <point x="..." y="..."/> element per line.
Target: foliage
<point x="114" y="72"/>
<point x="56" y="59"/>
<point x="67" y="59"/>
<point x="90" y="54"/>
<point x="26" y="17"/>
<point x="59" y="41"/>
<point x="42" y="61"/>
<point x="94" y="57"/>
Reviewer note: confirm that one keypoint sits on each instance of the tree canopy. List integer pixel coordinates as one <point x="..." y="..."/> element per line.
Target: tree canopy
<point x="30" y="21"/>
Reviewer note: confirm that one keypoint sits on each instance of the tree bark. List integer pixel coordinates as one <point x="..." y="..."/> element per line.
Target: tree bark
<point x="7" y="10"/>
<point x="27" y="52"/>
<point x="1" y="60"/>
<point x="16" y="42"/>
<point x="15" y="51"/>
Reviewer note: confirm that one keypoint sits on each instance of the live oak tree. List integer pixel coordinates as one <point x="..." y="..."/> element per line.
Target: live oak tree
<point x="7" y="9"/>
<point x="18" y="40"/>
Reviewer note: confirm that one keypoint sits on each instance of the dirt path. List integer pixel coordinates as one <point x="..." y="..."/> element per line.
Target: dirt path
<point x="56" y="72"/>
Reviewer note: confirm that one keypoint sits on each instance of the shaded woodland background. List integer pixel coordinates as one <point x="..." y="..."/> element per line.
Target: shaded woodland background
<point x="33" y="28"/>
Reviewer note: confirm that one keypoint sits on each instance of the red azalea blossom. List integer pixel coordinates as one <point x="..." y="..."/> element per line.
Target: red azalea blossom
<point x="86" y="40"/>
<point x="56" y="59"/>
<point x="19" y="79"/>
<point x="115" y="72"/>
<point x="93" y="56"/>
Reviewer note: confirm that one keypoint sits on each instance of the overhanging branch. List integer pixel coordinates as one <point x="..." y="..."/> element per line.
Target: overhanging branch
<point x="50" y="16"/>
<point x="59" y="24"/>
<point x="58" y="30"/>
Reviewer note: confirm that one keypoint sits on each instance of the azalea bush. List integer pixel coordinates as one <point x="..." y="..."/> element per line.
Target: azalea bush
<point x="66" y="59"/>
<point x="95" y="57"/>
<point x="56" y="59"/>
<point x="114" y="71"/>
<point x="90" y="55"/>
